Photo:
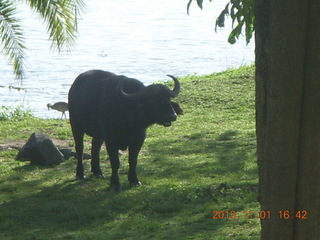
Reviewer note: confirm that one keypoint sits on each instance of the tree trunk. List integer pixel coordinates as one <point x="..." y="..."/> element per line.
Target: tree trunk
<point x="288" y="117"/>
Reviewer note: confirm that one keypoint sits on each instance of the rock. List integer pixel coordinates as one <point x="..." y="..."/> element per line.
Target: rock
<point x="40" y="150"/>
<point x="67" y="153"/>
<point x="85" y="155"/>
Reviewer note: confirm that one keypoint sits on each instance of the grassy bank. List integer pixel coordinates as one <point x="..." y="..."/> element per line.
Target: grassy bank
<point x="205" y="162"/>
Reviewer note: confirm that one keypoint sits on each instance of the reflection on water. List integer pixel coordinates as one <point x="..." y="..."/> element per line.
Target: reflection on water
<point x="138" y="38"/>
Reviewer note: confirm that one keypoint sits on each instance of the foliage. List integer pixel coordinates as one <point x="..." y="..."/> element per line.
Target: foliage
<point x="61" y="18"/>
<point x="206" y="161"/>
<point x="242" y="15"/>
<point x="11" y="36"/>
<point x="19" y="112"/>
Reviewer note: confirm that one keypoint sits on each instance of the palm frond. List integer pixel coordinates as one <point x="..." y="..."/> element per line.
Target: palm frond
<point x="11" y="37"/>
<point x="61" y="17"/>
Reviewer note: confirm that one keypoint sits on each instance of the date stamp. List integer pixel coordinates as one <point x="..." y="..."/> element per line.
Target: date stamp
<point x="285" y="214"/>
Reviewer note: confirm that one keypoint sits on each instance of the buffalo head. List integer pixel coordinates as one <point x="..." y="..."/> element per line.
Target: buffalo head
<point x="156" y="101"/>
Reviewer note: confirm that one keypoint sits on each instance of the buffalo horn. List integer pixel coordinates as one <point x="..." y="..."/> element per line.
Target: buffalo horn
<point x="176" y="88"/>
<point x="146" y="92"/>
<point x="132" y="96"/>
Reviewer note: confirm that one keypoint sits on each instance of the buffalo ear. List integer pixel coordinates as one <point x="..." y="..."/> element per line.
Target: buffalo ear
<point x="177" y="108"/>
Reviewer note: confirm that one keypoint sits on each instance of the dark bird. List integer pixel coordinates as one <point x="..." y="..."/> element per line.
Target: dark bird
<point x="59" y="106"/>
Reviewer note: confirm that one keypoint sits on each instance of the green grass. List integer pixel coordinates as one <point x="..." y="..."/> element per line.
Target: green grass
<point x="205" y="162"/>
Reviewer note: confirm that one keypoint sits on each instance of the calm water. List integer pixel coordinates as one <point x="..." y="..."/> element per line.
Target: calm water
<point x="139" y="38"/>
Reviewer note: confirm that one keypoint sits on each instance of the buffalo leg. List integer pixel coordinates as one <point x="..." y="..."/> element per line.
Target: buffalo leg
<point x="133" y="160"/>
<point x="78" y="138"/>
<point x="115" y="164"/>
<point x="95" y="161"/>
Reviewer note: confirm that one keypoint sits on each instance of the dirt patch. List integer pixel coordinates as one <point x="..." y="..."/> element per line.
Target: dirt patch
<point x="18" y="144"/>
<point x="15" y="144"/>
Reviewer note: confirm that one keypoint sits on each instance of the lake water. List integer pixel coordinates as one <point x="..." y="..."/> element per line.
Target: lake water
<point x="142" y="39"/>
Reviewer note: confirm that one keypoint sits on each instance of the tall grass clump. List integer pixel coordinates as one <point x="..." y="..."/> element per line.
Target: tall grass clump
<point x="17" y="112"/>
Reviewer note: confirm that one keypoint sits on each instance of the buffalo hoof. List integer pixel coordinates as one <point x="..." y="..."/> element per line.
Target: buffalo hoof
<point x="135" y="184"/>
<point x="99" y="175"/>
<point x="116" y="188"/>
<point x="80" y="177"/>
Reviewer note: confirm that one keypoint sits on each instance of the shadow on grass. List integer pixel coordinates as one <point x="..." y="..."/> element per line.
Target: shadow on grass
<point x="229" y="154"/>
<point x="68" y="209"/>
<point x="78" y="210"/>
<point x="75" y="210"/>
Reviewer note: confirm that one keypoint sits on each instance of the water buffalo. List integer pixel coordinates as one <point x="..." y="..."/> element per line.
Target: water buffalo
<point x="117" y="110"/>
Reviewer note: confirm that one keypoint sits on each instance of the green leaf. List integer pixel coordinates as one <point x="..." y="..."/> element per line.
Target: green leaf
<point x="12" y="38"/>
<point x="199" y="2"/>
<point x="220" y="20"/>
<point x="61" y="18"/>
<point x="188" y="6"/>
<point x="235" y="33"/>
<point x="241" y="13"/>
